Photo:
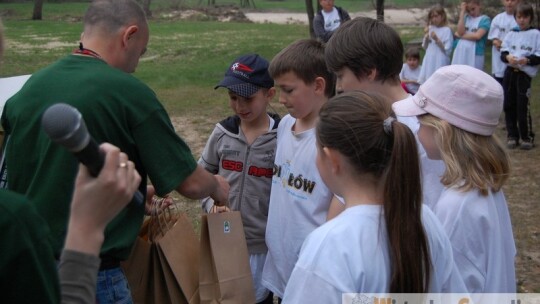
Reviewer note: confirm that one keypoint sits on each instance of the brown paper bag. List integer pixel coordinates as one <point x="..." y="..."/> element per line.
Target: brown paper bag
<point x="180" y="247"/>
<point x="225" y="273"/>
<point x="137" y="270"/>
<point x="160" y="293"/>
<point x="164" y="264"/>
<point x="175" y="295"/>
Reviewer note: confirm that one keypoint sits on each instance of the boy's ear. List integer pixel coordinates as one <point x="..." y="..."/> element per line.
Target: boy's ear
<point x="270" y="93"/>
<point x="372" y="75"/>
<point x="320" y="85"/>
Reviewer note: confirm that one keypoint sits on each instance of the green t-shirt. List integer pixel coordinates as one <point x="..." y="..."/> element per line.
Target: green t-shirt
<point x="117" y="108"/>
<point x="27" y="269"/>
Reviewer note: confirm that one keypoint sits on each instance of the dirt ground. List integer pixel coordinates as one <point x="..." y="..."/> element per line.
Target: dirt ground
<point x="411" y="16"/>
<point x="522" y="189"/>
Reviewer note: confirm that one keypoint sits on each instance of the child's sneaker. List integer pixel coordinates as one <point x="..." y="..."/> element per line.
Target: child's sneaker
<point x="526" y="145"/>
<point x="511" y="143"/>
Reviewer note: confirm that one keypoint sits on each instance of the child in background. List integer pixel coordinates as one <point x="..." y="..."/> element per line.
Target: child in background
<point x="241" y="148"/>
<point x="459" y="108"/>
<point x="371" y="162"/>
<point x="328" y="19"/>
<point x="299" y="201"/>
<point x="472" y="29"/>
<point x="521" y="50"/>
<point x="438" y="41"/>
<point x="501" y="25"/>
<point x="372" y="62"/>
<point x="411" y="71"/>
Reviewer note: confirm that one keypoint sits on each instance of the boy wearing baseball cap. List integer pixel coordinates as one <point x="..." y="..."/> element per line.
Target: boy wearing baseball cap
<point x="241" y="148"/>
<point x="459" y="108"/>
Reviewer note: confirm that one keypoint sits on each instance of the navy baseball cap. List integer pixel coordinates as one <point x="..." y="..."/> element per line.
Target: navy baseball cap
<point x="246" y="75"/>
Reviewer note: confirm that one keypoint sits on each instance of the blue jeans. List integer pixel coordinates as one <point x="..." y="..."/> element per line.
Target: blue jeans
<point x="112" y="287"/>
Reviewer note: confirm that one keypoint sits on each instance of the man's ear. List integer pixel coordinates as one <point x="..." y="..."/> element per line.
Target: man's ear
<point x="129" y="32"/>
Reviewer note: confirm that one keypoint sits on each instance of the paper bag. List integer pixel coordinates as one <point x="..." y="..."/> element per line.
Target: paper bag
<point x="137" y="270"/>
<point x="164" y="263"/>
<point x="225" y="273"/>
<point x="180" y="248"/>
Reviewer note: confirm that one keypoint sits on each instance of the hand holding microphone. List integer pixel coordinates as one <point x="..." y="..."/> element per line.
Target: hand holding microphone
<point x="96" y="201"/>
<point x="64" y="125"/>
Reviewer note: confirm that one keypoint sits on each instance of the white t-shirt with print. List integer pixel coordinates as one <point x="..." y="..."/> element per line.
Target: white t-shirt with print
<point x="331" y="20"/>
<point x="299" y="202"/>
<point x="350" y="254"/>
<point x="501" y="25"/>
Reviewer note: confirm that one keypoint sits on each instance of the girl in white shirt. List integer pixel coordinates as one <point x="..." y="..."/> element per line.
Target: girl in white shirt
<point x="437" y="42"/>
<point x="459" y="109"/>
<point x="384" y="241"/>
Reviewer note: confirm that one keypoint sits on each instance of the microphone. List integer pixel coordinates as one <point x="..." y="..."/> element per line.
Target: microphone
<point x="65" y="125"/>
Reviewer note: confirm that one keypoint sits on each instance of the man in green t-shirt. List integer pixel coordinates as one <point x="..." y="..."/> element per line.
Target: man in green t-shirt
<point x="117" y="108"/>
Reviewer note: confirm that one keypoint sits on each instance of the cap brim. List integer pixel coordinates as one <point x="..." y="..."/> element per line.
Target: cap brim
<point x="409" y="106"/>
<point x="228" y="81"/>
<point x="243" y="89"/>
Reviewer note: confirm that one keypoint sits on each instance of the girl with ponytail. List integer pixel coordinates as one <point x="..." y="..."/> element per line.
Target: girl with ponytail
<point x="384" y="241"/>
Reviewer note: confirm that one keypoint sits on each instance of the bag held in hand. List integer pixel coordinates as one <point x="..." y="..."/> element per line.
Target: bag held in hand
<point x="225" y="274"/>
<point x="164" y="263"/>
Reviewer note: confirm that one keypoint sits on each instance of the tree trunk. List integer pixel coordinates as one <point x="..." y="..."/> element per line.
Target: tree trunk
<point x="380" y="10"/>
<point x="537" y="15"/>
<point x="38" y="10"/>
<point x="310" y="15"/>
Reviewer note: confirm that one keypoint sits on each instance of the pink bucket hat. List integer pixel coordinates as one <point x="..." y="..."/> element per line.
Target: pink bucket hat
<point x="464" y="96"/>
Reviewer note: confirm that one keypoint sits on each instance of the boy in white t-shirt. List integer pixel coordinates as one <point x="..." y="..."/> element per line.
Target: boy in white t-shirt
<point x="501" y="25"/>
<point x="410" y="72"/>
<point x="328" y="19"/>
<point x="521" y="50"/>
<point x="299" y="199"/>
<point x="372" y="62"/>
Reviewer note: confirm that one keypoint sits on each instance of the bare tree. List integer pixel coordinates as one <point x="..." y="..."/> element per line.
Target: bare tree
<point x="310" y="14"/>
<point x="38" y="10"/>
<point x="380" y="10"/>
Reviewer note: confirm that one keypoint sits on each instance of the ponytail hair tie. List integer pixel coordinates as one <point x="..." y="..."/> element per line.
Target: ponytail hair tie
<point x="387" y="125"/>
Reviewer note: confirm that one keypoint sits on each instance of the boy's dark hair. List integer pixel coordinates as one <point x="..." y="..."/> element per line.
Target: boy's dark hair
<point x="525" y="9"/>
<point x="364" y="44"/>
<point x="305" y="58"/>
<point x="412" y="52"/>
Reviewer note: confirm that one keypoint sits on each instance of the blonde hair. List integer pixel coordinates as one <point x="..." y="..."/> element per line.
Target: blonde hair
<point x="472" y="161"/>
<point x="438" y="9"/>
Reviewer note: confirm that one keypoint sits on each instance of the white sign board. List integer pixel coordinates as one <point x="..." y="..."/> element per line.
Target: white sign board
<point x="9" y="86"/>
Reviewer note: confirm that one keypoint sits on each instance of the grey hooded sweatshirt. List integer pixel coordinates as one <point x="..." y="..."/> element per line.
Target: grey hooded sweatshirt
<point x="248" y="169"/>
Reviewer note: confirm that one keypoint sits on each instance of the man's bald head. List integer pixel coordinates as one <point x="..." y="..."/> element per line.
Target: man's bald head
<point x="110" y="16"/>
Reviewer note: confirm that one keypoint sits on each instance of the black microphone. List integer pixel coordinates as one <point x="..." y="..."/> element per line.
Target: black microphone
<point x="65" y="125"/>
